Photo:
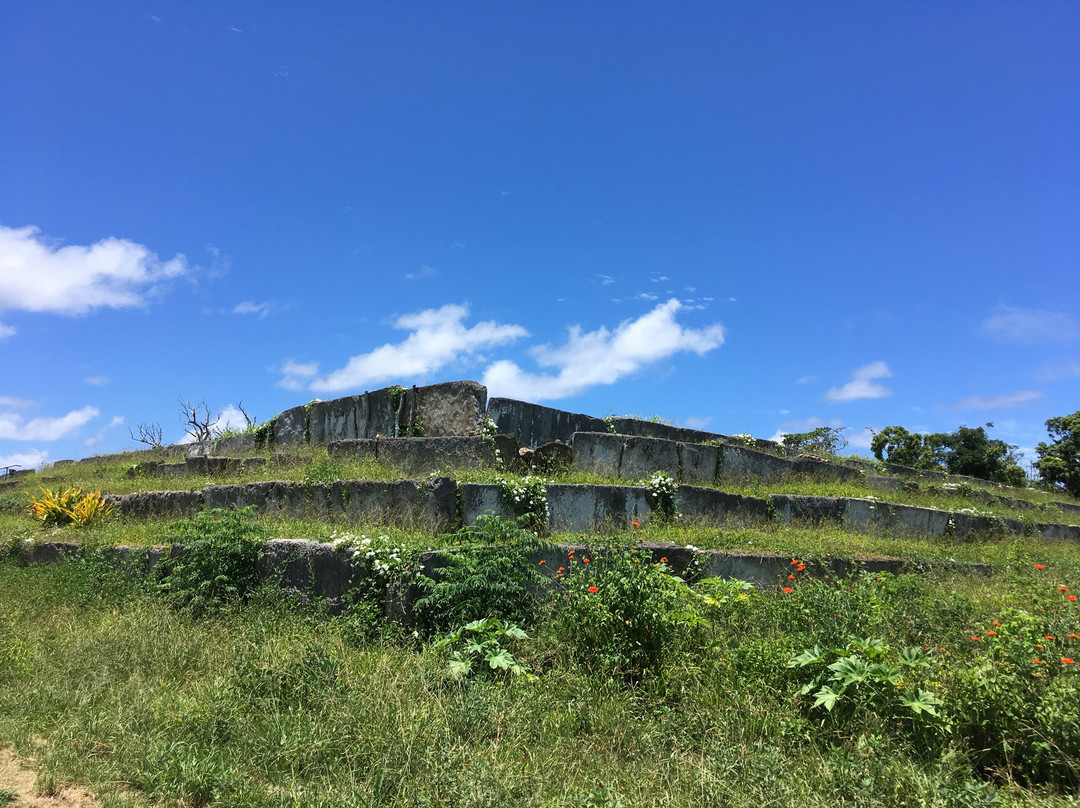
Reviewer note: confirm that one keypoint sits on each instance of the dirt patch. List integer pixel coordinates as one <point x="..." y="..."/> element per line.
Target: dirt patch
<point x="16" y="777"/>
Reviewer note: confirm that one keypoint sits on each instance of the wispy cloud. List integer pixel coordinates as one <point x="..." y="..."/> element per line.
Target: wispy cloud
<point x="807" y="379"/>
<point x="592" y="358"/>
<point x="862" y="384"/>
<point x="1057" y="371"/>
<point x="36" y="275"/>
<point x="6" y="331"/>
<point x="1010" y="324"/>
<point x="424" y="272"/>
<point x="438" y="337"/>
<point x="606" y="280"/>
<point x="263" y="310"/>
<point x="296" y="375"/>
<point x="15" y="427"/>
<point x="1017" y="399"/>
<point x="30" y="459"/>
<point x="94" y="440"/>
<point x="697" y="421"/>
<point x="97" y="381"/>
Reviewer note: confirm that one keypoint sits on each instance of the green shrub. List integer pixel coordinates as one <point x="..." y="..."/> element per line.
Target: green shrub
<point x="218" y="563"/>
<point x="70" y="507"/>
<point x="621" y="614"/>
<point x="496" y="579"/>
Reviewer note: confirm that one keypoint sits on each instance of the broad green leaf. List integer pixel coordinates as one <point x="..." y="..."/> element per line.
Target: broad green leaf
<point x="810" y="656"/>
<point x="827" y="697"/>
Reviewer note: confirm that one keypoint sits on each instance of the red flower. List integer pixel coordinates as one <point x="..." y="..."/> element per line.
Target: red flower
<point x="541" y="562"/>
<point x="663" y="560"/>
<point x="1037" y="661"/>
<point x="800" y="568"/>
<point x="974" y="639"/>
<point x="1049" y="637"/>
<point x="787" y="590"/>
<point x="1039" y="647"/>
<point x="1063" y="589"/>
<point x="1070" y="597"/>
<point x="561" y="569"/>
<point x="991" y="633"/>
<point x="1040" y="566"/>
<point x="794" y="561"/>
<point x="791" y="577"/>
<point x="593" y="589"/>
<point x="636" y="524"/>
<point x="584" y="561"/>
<point x="1067" y="661"/>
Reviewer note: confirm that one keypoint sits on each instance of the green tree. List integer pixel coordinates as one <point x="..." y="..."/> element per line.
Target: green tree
<point x="827" y="441"/>
<point x="966" y="451"/>
<point x="1059" y="461"/>
<point x="912" y="449"/>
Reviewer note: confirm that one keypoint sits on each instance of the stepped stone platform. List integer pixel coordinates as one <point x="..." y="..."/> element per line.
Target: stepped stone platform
<point x="319" y="570"/>
<point x="432" y="503"/>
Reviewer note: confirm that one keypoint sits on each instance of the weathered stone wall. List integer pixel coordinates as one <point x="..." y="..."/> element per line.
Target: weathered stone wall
<point x="534" y="424"/>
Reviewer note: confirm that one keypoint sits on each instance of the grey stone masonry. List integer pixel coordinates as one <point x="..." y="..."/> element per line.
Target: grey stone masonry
<point x="157" y="504"/>
<point x="419" y="455"/>
<point x="447" y="409"/>
<point x="709" y="506"/>
<point x="654" y="429"/>
<point x="291" y="426"/>
<point x="534" y="424"/>
<point x="599" y="508"/>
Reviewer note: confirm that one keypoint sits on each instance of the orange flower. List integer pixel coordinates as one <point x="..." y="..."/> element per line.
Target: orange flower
<point x="663" y="560"/>
<point x="541" y="562"/>
<point x="1070" y="597"/>
<point x="584" y="561"/>
<point x="1039" y="647"/>
<point x="561" y="569"/>
<point x="801" y="567"/>
<point x="1037" y="661"/>
<point x="791" y="577"/>
<point x="570" y="552"/>
<point x="636" y="524"/>
<point x="1040" y="566"/>
<point x="794" y="561"/>
<point x="1063" y="589"/>
<point x="1049" y="637"/>
<point x="787" y="590"/>
<point x="1066" y="661"/>
<point x="996" y="623"/>
<point x="991" y="633"/>
<point x="1073" y="636"/>
<point x="593" y="589"/>
<point x="974" y="639"/>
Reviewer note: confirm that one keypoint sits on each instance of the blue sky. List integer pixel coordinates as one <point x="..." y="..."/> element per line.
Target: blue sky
<point x="743" y="217"/>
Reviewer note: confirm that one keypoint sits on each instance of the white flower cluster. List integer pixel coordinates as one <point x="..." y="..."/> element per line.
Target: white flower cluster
<point x="661" y="485"/>
<point x="378" y="556"/>
<point x="526" y="496"/>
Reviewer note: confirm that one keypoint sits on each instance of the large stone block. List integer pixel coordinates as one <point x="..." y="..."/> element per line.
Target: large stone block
<point x="603" y="508"/>
<point x="450" y="408"/>
<point x="698" y="462"/>
<point x="709" y="506"/>
<point x="482" y="498"/>
<point x="308" y="567"/>
<point x="815" y="510"/>
<point x="235" y="444"/>
<point x="359" y="449"/>
<point x="597" y="452"/>
<point x="150" y="504"/>
<point x="643" y="457"/>
<point x="424" y="455"/>
<point x="335" y="419"/>
<point x="740" y="463"/>
<point x="824" y="470"/>
<point x="431" y="504"/>
<point x="655" y="429"/>
<point x="291" y="426"/>
<point x="534" y="424"/>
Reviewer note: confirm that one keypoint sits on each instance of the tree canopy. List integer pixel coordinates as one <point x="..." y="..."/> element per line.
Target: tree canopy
<point x="967" y="451"/>
<point x="1059" y="460"/>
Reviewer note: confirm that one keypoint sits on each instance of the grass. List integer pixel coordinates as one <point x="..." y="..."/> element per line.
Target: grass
<point x="270" y="704"/>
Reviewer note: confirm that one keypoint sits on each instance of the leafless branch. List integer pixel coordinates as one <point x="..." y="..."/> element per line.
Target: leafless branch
<point x="197" y="420"/>
<point x="150" y="434"/>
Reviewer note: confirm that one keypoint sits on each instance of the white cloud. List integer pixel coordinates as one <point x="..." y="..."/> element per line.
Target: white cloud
<point x="1057" y="371"/>
<point x="12" y="403"/>
<point x="1017" y="399"/>
<point x="598" y="357"/>
<point x="796" y="425"/>
<point x="6" y="331"/>
<point x="424" y="272"/>
<point x="862" y="384"/>
<point x="15" y="427"/>
<point x="807" y="379"/>
<point x="438" y="337"/>
<point x="1028" y="326"/>
<point x="31" y="459"/>
<point x="94" y="440"/>
<point x="697" y="421"/>
<point x="38" y="276"/>
<point x="231" y="418"/>
<point x="296" y="374"/>
<point x="606" y="280"/>
<point x="251" y="307"/>
<point x="97" y="381"/>
<point x="646" y="296"/>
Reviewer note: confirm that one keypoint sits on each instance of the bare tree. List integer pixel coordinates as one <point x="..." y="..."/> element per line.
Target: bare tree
<point x="197" y="420"/>
<point x="250" y="423"/>
<point x="150" y="434"/>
